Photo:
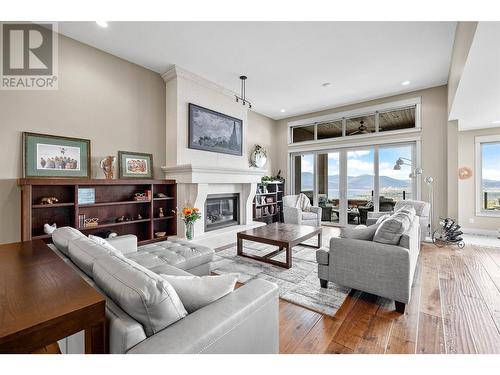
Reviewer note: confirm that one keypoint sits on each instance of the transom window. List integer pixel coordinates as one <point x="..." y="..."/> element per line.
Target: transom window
<point x="375" y="120"/>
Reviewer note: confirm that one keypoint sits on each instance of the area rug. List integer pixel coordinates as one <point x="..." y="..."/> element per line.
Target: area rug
<point x="299" y="284"/>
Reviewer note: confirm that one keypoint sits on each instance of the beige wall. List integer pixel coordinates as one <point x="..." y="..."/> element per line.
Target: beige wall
<point x="115" y="104"/>
<point x="433" y="136"/>
<point x="464" y="34"/>
<point x="467" y="188"/>
<point x="261" y="131"/>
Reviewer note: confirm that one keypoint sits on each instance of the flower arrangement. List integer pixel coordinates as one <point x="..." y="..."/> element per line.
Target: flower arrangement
<point x="189" y="215"/>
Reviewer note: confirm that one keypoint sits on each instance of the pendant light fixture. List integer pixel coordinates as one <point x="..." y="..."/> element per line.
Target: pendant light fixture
<point x="243" y="98"/>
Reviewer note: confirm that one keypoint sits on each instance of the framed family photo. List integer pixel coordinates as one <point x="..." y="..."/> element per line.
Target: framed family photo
<point x="214" y="131"/>
<point x="135" y="165"/>
<point x="55" y="156"/>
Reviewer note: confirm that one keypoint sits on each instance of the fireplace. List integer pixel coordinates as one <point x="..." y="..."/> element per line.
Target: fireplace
<point x="221" y="210"/>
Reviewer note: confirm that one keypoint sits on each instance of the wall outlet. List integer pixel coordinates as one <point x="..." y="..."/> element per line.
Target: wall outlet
<point x="471" y="220"/>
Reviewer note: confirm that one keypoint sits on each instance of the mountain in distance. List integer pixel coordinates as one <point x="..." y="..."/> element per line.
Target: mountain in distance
<point x="359" y="182"/>
<point x="490" y="184"/>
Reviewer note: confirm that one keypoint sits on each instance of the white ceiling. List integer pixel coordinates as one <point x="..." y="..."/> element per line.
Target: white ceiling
<point x="477" y="100"/>
<point x="287" y="62"/>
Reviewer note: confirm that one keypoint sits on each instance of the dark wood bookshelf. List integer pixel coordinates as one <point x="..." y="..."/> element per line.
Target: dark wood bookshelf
<point x="269" y="212"/>
<point x="113" y="199"/>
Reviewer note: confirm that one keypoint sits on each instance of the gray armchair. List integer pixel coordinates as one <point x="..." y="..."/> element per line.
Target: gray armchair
<point x="294" y="215"/>
<point x="422" y="210"/>
<point x="373" y="267"/>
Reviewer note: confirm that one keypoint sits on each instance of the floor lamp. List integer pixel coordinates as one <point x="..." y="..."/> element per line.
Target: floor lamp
<point x="429" y="180"/>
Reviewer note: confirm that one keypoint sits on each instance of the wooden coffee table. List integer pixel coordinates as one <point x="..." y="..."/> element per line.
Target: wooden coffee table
<point x="285" y="236"/>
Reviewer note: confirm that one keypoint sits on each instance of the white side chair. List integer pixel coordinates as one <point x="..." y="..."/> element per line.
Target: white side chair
<point x="294" y="215"/>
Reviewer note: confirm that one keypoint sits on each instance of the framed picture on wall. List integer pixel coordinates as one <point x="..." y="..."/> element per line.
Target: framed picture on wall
<point x="55" y="156"/>
<point x="135" y="165"/>
<point x="214" y="131"/>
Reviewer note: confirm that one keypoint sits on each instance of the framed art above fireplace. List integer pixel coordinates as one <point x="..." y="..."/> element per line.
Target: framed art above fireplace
<point x="213" y="131"/>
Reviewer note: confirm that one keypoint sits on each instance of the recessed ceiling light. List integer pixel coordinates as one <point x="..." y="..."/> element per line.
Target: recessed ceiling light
<point x="102" y="23"/>
<point x="326" y="84"/>
<point x="283" y="110"/>
<point x="405" y="83"/>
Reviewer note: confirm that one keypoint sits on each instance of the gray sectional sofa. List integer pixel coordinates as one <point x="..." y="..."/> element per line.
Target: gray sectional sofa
<point x="243" y="321"/>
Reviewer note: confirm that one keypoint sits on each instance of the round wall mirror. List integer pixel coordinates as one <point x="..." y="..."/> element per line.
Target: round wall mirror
<point x="258" y="157"/>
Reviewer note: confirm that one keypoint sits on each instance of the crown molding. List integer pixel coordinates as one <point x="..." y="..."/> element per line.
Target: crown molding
<point x="178" y="72"/>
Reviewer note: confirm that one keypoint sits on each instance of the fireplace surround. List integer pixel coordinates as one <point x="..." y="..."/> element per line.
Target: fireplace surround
<point x="221" y="210"/>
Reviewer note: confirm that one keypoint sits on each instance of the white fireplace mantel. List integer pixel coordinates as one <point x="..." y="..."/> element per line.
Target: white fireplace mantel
<point x="190" y="174"/>
<point x="196" y="183"/>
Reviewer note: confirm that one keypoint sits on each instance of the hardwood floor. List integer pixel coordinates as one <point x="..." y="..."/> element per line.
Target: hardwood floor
<point x="455" y="308"/>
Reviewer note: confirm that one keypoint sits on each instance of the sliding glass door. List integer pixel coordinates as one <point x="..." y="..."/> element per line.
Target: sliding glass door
<point x="329" y="186"/>
<point x="394" y="181"/>
<point x="304" y="172"/>
<point x="360" y="184"/>
<point x="347" y="183"/>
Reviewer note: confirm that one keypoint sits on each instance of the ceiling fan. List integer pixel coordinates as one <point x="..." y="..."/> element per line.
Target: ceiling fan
<point x="362" y="129"/>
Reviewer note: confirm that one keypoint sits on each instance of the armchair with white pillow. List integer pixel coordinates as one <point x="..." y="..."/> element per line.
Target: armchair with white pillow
<point x="297" y="209"/>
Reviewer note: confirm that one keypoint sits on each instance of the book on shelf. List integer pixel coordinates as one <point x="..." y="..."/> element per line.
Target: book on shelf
<point x="81" y="221"/>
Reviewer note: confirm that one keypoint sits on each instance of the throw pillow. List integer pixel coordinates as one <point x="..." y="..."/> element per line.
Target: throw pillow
<point x="382" y="218"/>
<point x="101" y="241"/>
<point x="391" y="229"/>
<point x="141" y="293"/>
<point x="408" y="209"/>
<point x="196" y="292"/>
<point x="364" y="233"/>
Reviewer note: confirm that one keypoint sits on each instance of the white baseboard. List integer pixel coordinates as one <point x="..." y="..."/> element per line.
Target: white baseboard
<point x="480" y="232"/>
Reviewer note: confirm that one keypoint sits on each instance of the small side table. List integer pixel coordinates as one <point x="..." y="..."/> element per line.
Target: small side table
<point x="45" y="300"/>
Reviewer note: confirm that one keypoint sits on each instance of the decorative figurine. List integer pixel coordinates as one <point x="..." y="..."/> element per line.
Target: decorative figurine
<point x="49" y="229"/>
<point x="161" y="214"/>
<point x="139" y="216"/>
<point x="49" y="200"/>
<point x="278" y="176"/>
<point x="108" y="166"/>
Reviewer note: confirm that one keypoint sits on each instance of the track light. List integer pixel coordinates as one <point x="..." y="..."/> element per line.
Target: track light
<point x="242" y="97"/>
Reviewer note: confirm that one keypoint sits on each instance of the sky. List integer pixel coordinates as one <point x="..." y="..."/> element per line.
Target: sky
<point x="491" y="161"/>
<point x="360" y="162"/>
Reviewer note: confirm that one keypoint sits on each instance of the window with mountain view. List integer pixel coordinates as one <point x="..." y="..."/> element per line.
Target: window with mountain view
<point x="395" y="184"/>
<point x="490" y="177"/>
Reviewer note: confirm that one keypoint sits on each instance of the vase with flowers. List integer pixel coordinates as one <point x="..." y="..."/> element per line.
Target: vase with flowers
<point x="189" y="215"/>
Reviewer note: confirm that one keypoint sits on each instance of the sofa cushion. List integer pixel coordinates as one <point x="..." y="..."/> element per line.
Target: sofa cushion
<point x="141" y="293"/>
<point x="84" y="252"/>
<point x="196" y="292"/>
<point x="61" y="238"/>
<point x="359" y="233"/>
<point x="308" y="215"/>
<point x="391" y="229"/>
<point x="179" y="253"/>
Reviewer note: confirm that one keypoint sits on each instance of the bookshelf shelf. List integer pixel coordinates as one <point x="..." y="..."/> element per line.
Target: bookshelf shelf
<point x="113" y="199"/>
<point x="269" y="212"/>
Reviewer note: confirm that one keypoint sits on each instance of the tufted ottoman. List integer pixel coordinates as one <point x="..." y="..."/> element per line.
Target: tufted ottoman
<point x="182" y="254"/>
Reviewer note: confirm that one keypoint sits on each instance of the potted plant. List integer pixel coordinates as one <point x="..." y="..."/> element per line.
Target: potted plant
<point x="189" y="215"/>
